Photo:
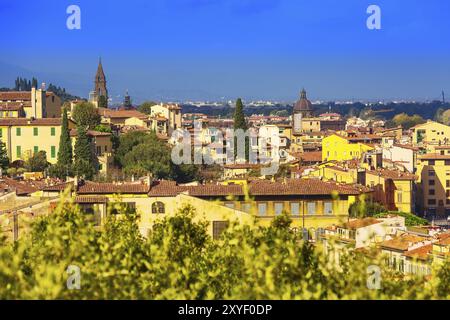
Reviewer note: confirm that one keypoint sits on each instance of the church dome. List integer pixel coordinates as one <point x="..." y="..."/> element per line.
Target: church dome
<point x="303" y="105"/>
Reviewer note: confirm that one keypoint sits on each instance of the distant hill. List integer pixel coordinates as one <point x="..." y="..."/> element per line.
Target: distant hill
<point x="386" y="111"/>
<point x="23" y="84"/>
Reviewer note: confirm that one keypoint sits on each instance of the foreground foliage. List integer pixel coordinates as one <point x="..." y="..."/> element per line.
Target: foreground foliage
<point x="179" y="260"/>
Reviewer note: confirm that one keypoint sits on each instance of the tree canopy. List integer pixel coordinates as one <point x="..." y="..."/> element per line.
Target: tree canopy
<point x="37" y="162"/>
<point x="86" y="114"/>
<point x="179" y="260"/>
<point x="146" y="107"/>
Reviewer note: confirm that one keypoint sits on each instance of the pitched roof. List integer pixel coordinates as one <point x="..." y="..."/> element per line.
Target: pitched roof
<point x="57" y="187"/>
<point x="109" y="113"/>
<point x="361" y="223"/>
<point x="402" y="242"/>
<point x="259" y="188"/>
<point x="92" y="133"/>
<point x="30" y="122"/>
<point x="393" y="174"/>
<point x="419" y="253"/>
<point x="435" y="156"/>
<point x="112" y="188"/>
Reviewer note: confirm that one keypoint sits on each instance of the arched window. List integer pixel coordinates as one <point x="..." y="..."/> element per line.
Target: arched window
<point x="158" y="207"/>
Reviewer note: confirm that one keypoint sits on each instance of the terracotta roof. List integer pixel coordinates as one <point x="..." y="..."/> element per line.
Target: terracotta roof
<point x="242" y="166"/>
<point x="13" y="106"/>
<point x="91" y="199"/>
<point x="92" y="133"/>
<point x="312" y="156"/>
<point x="443" y="147"/>
<point x="21" y="187"/>
<point x="30" y="122"/>
<point x="393" y="174"/>
<point x="112" y="188"/>
<point x="406" y="146"/>
<point x="259" y="188"/>
<point x="435" y="156"/>
<point x="402" y="242"/>
<point x="419" y="253"/>
<point x="57" y="187"/>
<point x="15" y="95"/>
<point x="109" y="113"/>
<point x="360" y="223"/>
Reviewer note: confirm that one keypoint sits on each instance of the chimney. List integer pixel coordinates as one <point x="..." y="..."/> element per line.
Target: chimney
<point x="149" y="179"/>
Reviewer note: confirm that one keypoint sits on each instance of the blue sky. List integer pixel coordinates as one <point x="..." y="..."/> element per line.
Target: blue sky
<point x="208" y="49"/>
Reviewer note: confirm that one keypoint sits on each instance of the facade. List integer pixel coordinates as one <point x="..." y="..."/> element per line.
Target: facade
<point x="310" y="203"/>
<point x="339" y="148"/>
<point x="36" y="103"/>
<point x="433" y="171"/>
<point x="430" y="133"/>
<point x="24" y="137"/>
<point x="171" y="112"/>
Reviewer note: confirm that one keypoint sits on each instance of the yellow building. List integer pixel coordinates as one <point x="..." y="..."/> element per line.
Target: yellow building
<point x="431" y="133"/>
<point x="102" y="148"/>
<point x="433" y="171"/>
<point x="310" y="203"/>
<point x="340" y="148"/>
<point x="24" y="137"/>
<point x="171" y="112"/>
<point x="394" y="189"/>
<point x="36" y="103"/>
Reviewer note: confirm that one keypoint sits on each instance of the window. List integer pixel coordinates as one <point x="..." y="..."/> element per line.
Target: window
<point x="35" y="131"/>
<point x="447" y="162"/>
<point x="262" y="209"/>
<point x="431" y="162"/>
<point x="431" y="192"/>
<point x="311" y="208"/>
<point x="431" y="182"/>
<point x="35" y="149"/>
<point x="399" y="197"/>
<point x="121" y="207"/>
<point x="18" y="132"/>
<point x="229" y="205"/>
<point x="278" y="207"/>
<point x="218" y="228"/>
<point x="431" y="173"/>
<point x="295" y="208"/>
<point x="447" y="183"/>
<point x="246" y="207"/>
<point x="158" y="207"/>
<point x="18" y="151"/>
<point x="447" y="193"/>
<point x="431" y="202"/>
<point x="52" y="132"/>
<point x="1" y="133"/>
<point x="328" y="207"/>
<point x="53" y="151"/>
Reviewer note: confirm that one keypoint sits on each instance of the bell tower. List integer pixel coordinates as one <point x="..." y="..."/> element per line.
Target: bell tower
<point x="100" y="82"/>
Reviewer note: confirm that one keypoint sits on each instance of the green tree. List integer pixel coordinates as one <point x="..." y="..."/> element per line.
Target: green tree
<point x="84" y="165"/>
<point x="86" y="114"/>
<point x="65" y="153"/>
<point x="153" y="156"/>
<point x="4" y="160"/>
<point x="446" y="117"/>
<point x="240" y="123"/>
<point x="146" y="107"/>
<point x="438" y="115"/>
<point x="407" y="121"/>
<point x="37" y="162"/>
<point x="102" y="102"/>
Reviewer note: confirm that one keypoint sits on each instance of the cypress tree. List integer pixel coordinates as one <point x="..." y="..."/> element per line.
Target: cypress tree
<point x="240" y="123"/>
<point x="65" y="153"/>
<point x="84" y="161"/>
<point x="4" y="160"/>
